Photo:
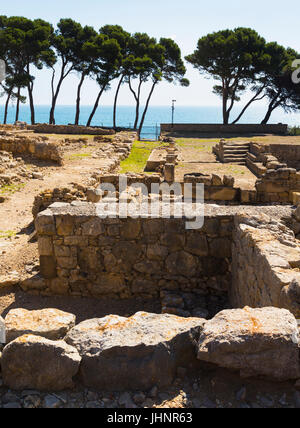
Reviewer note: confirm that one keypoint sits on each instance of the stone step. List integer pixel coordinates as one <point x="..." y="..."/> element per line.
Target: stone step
<point x="242" y="152"/>
<point x="237" y="145"/>
<point x="242" y="157"/>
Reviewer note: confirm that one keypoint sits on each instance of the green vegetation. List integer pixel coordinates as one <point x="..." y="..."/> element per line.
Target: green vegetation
<point x="137" y="160"/>
<point x="241" y="59"/>
<point x="104" y="55"/>
<point x="7" y="233"/>
<point x="294" y="131"/>
<point x="195" y="144"/>
<point x="10" y="189"/>
<point x="79" y="156"/>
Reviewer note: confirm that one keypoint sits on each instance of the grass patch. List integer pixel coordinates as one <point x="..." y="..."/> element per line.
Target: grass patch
<point x="9" y="189"/>
<point x="79" y="156"/>
<point x="294" y="131"/>
<point x="236" y="170"/>
<point x="7" y="234"/>
<point x="137" y="160"/>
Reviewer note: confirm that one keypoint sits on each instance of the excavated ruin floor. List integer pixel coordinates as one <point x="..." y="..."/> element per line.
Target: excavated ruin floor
<point x="208" y="388"/>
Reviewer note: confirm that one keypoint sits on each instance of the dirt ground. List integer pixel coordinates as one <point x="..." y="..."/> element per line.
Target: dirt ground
<point x="17" y="254"/>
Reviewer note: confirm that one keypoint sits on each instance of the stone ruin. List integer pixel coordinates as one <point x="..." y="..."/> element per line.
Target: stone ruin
<point x="229" y="292"/>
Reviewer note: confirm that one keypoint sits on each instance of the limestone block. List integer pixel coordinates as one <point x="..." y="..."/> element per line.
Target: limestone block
<point x="52" y="324"/>
<point x="134" y="353"/>
<point x="257" y="342"/>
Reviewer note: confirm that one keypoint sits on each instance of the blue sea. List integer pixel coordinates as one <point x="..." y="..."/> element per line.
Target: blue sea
<point x="156" y="115"/>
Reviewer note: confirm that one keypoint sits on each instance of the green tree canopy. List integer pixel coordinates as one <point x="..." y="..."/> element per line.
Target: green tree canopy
<point x="280" y="89"/>
<point x="234" y="58"/>
<point x="25" y="43"/>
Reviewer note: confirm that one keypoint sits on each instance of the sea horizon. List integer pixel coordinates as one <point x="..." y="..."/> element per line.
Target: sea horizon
<point x="156" y="115"/>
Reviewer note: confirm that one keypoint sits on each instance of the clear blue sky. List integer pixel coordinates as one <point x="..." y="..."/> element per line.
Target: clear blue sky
<point x="184" y="20"/>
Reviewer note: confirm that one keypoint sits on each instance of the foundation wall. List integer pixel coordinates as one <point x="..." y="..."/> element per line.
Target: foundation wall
<point x="224" y="129"/>
<point x="44" y="128"/>
<point x="82" y="254"/>
<point x="34" y="147"/>
<point x="265" y="266"/>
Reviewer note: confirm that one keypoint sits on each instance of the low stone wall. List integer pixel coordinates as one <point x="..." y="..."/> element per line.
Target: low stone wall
<point x="57" y="195"/>
<point x="44" y="128"/>
<point x="204" y="128"/>
<point x="36" y="147"/>
<point x="287" y="153"/>
<point x="278" y="185"/>
<point x="215" y="188"/>
<point x="131" y="178"/>
<point x="82" y="254"/>
<point x="265" y="267"/>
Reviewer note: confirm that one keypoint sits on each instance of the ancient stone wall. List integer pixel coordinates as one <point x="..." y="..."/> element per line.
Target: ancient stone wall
<point x="265" y="266"/>
<point x="287" y="153"/>
<point x="223" y="129"/>
<point x="278" y="185"/>
<point x="216" y="188"/>
<point x="82" y="254"/>
<point x="38" y="148"/>
<point x="131" y="178"/>
<point x="44" y="128"/>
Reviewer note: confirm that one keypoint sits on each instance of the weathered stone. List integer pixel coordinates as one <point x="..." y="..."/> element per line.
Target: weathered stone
<point x="94" y="195"/>
<point x="157" y="252"/>
<point x="93" y="227"/>
<point x="220" y="248"/>
<point x="131" y="229"/>
<point x="8" y="280"/>
<point x="64" y="225"/>
<point x="48" y="267"/>
<point x="216" y="180"/>
<point x="45" y="246"/>
<point x="197" y="244"/>
<point x="52" y="324"/>
<point x="134" y="353"/>
<point x="2" y="331"/>
<point x="228" y="181"/>
<point x="182" y="263"/>
<point x="32" y="362"/>
<point x="108" y="284"/>
<point x="257" y="342"/>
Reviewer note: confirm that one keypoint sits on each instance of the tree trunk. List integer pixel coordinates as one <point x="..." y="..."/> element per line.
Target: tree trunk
<point x="267" y="116"/>
<point x="30" y="94"/>
<point x="225" y="99"/>
<point x="54" y="101"/>
<point x="31" y="102"/>
<point x="115" y="102"/>
<point x="18" y="105"/>
<point x="55" y="93"/>
<point x="78" y="98"/>
<point x="6" y="107"/>
<point x="272" y="106"/>
<point x="249" y="103"/>
<point x="145" y="111"/>
<point x="137" y="100"/>
<point x="95" y="106"/>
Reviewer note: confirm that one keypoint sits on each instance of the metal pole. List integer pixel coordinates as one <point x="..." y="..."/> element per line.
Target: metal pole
<point x="173" y="112"/>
